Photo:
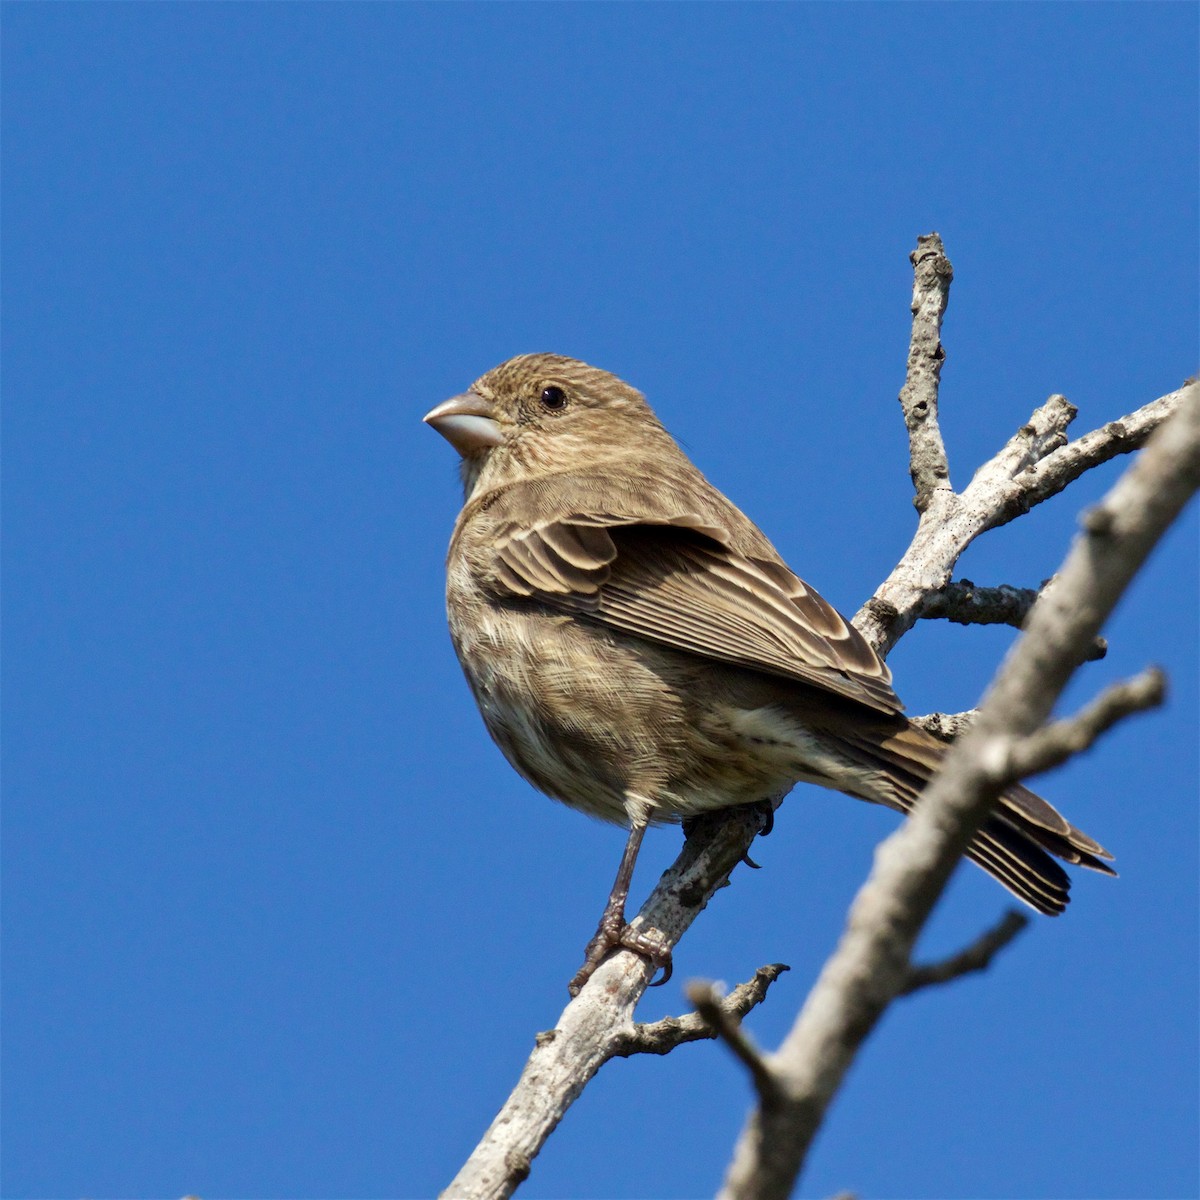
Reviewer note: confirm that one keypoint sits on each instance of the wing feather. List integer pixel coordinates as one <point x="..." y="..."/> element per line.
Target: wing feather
<point x="677" y="581"/>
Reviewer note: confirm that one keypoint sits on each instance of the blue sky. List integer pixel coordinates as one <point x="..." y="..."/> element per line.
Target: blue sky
<point x="279" y="921"/>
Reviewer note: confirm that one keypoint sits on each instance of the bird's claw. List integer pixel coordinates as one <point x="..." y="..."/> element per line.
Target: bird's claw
<point x="614" y="935"/>
<point x="667" y="968"/>
<point x="767" y="810"/>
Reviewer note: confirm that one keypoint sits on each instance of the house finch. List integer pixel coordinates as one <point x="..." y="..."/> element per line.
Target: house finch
<point x="640" y="651"/>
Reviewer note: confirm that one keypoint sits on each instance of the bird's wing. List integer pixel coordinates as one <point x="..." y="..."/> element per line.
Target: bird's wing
<point x="676" y="581"/>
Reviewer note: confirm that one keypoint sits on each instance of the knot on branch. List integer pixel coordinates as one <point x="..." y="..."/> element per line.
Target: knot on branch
<point x="518" y="1165"/>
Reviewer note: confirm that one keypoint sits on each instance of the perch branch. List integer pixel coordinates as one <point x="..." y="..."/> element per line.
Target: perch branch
<point x="594" y="1025"/>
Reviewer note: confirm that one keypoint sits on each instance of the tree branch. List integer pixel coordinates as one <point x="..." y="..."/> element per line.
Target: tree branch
<point x="1053" y="744"/>
<point x="711" y="1010"/>
<point x="932" y="274"/>
<point x="965" y="604"/>
<point x="1044" y="432"/>
<point x="975" y="957"/>
<point x="661" y="1037"/>
<point x="1010" y="484"/>
<point x="946" y="727"/>
<point x="871" y="963"/>
<point x="1071" y="460"/>
<point x="598" y="1023"/>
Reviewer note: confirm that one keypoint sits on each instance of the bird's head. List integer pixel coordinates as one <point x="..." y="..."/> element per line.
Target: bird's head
<point x="542" y="413"/>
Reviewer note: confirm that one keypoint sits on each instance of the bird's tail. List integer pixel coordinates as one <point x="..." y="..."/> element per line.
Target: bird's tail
<point x="1016" y="844"/>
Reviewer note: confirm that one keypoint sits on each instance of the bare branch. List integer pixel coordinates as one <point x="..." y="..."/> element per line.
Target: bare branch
<point x="975" y="957"/>
<point x="593" y="1026"/>
<point x="1053" y="744"/>
<point x="711" y="1009"/>
<point x="1002" y="489"/>
<point x="932" y="274"/>
<point x="946" y="726"/>
<point x="964" y="603"/>
<point x="871" y="963"/>
<point x="661" y="1037"/>
<point x="1045" y="431"/>
<point x="1117" y="536"/>
<point x="1071" y="460"/>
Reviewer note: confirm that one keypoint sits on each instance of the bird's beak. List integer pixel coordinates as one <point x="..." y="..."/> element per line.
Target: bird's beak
<point x="467" y="422"/>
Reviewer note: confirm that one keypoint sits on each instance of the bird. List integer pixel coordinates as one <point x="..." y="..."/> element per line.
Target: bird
<point x="640" y="651"/>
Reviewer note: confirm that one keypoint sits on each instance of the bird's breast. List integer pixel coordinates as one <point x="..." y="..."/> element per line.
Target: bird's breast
<point x="605" y="722"/>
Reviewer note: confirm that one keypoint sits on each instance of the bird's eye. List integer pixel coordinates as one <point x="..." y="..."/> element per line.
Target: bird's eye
<point x="554" y="398"/>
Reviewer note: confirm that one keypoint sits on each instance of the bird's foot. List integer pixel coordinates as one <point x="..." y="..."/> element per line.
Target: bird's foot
<point x="614" y="934"/>
<point x="766" y="810"/>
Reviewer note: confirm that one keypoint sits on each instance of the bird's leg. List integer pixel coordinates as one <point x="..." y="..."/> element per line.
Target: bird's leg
<point x="613" y="932"/>
<point x="612" y="920"/>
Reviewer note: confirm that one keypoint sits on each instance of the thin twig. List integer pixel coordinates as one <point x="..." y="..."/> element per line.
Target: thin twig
<point x="710" y="1007"/>
<point x="932" y="274"/>
<point x="975" y="957"/>
<point x="1053" y="744"/>
<point x="661" y="1037"/>
<point x="964" y="603"/>
<point x="1044" y="433"/>
<point x="1065" y="464"/>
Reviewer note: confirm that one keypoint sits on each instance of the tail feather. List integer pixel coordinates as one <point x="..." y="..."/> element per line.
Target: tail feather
<point x="1049" y="828"/>
<point x="1026" y="870"/>
<point x="1014" y="845"/>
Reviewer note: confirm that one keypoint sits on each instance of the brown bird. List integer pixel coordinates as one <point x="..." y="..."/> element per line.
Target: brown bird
<point x="640" y="651"/>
